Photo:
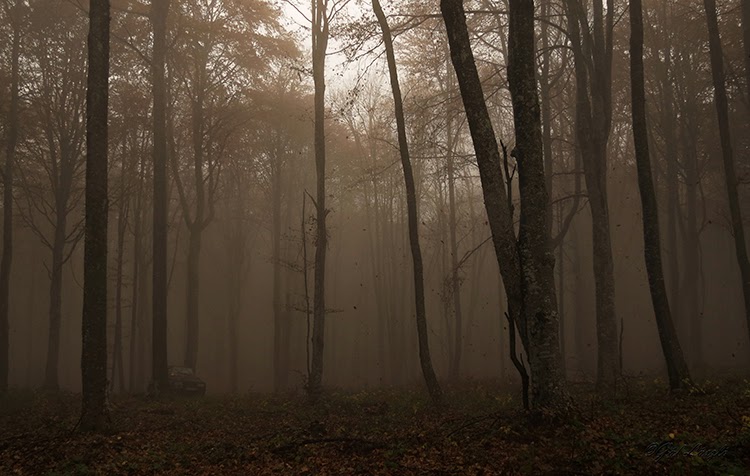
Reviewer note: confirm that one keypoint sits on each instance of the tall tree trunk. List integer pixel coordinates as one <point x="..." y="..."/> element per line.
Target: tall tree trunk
<point x="159" y="12"/>
<point x="536" y="291"/>
<point x="593" y="120"/>
<point x="488" y="157"/>
<point x="55" y="301"/>
<point x="676" y="366"/>
<point x="411" y="205"/>
<point x="319" y="47"/>
<point x="7" y="257"/>
<point x="135" y="302"/>
<point x="117" y="358"/>
<point x="722" y="110"/>
<point x="746" y="44"/>
<point x="193" y="281"/>
<point x="94" y="326"/>
<point x="539" y="300"/>
<point x="279" y="371"/>
<point x="455" y="278"/>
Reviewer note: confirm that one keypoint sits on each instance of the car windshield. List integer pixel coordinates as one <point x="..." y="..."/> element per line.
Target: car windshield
<point x="177" y="371"/>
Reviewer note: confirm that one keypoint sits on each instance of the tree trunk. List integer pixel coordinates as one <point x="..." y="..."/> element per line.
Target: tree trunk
<point x="159" y="12"/>
<point x="193" y="276"/>
<point x="117" y="359"/>
<point x="537" y="318"/>
<point x="722" y="110"/>
<point x="135" y="296"/>
<point x="7" y="256"/>
<point x="539" y="300"/>
<point x="319" y="47"/>
<point x="55" y="303"/>
<point x="488" y="157"/>
<point x="411" y="205"/>
<point x="593" y="119"/>
<point x="746" y="45"/>
<point x="279" y="371"/>
<point x="455" y="279"/>
<point x="676" y="366"/>
<point x="94" y="326"/>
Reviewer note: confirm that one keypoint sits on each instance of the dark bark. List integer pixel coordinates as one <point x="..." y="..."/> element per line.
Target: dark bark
<point x="55" y="301"/>
<point x="138" y="282"/>
<point x="746" y="45"/>
<point x="488" y="157"/>
<point x="94" y="325"/>
<point x="117" y="372"/>
<point x="11" y="140"/>
<point x="159" y="12"/>
<point x="676" y="366"/>
<point x="593" y="68"/>
<point x="537" y="318"/>
<point x="319" y="47"/>
<point x="411" y="205"/>
<point x="280" y="372"/>
<point x="731" y="182"/>
<point x="539" y="301"/>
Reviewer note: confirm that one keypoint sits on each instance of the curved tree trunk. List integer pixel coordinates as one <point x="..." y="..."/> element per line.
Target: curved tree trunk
<point x="722" y="110"/>
<point x="676" y="366"/>
<point x="411" y="205"/>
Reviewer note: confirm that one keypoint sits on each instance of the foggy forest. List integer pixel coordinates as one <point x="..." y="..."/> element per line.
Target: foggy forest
<point x="365" y="237"/>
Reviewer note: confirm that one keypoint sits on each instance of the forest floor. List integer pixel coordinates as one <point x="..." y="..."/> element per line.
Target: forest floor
<point x="478" y="430"/>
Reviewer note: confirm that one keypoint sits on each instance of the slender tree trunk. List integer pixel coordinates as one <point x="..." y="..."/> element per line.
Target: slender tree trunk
<point x="193" y="281"/>
<point x="55" y="303"/>
<point x="159" y="12"/>
<point x="279" y="371"/>
<point x="593" y="120"/>
<point x="676" y="366"/>
<point x="722" y="110"/>
<point x="7" y="256"/>
<point x="117" y="358"/>
<point x="455" y="278"/>
<point x="488" y="157"/>
<point x="135" y="296"/>
<point x="94" y="326"/>
<point x="319" y="47"/>
<point x="411" y="205"/>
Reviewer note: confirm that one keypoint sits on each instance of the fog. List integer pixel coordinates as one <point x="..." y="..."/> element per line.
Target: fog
<point x="241" y="195"/>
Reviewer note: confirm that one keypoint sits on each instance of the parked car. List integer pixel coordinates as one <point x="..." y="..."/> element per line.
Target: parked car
<point x="182" y="380"/>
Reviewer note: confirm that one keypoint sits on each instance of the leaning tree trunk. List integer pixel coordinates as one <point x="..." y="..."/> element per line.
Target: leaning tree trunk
<point x="488" y="157"/>
<point x="7" y="257"/>
<point x="676" y="366"/>
<point x="94" y="327"/>
<point x="722" y="109"/>
<point x="539" y="300"/>
<point x="159" y="12"/>
<point x="411" y="205"/>
<point x="319" y="47"/>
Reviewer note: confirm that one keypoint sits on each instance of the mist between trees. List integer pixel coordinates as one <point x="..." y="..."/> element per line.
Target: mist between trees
<point x="287" y="241"/>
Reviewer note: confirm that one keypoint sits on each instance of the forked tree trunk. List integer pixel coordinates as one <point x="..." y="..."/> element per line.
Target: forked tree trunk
<point x="676" y="366"/>
<point x="319" y="47"/>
